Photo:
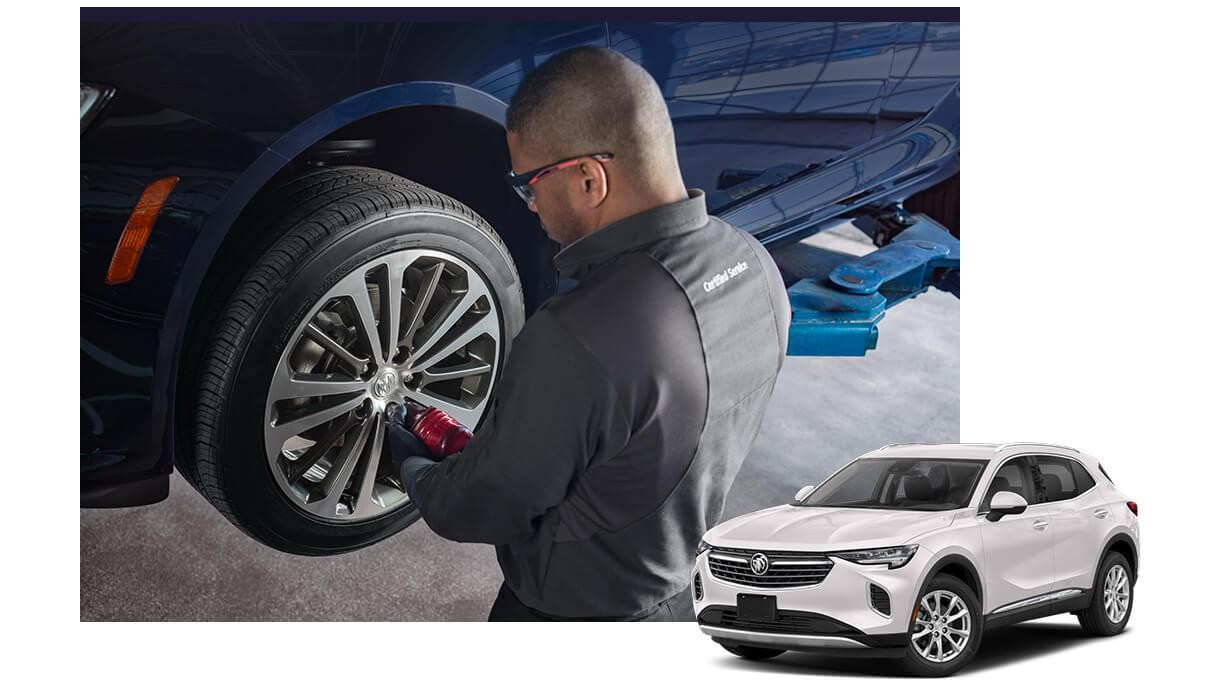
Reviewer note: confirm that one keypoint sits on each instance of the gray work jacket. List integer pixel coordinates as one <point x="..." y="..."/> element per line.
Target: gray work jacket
<point x="624" y="412"/>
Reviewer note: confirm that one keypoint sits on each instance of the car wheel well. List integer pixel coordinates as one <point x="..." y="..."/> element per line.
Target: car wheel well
<point x="962" y="571"/>
<point x="1126" y="549"/>
<point x="455" y="152"/>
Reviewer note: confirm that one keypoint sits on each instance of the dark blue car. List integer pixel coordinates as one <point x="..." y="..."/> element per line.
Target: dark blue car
<point x="287" y="226"/>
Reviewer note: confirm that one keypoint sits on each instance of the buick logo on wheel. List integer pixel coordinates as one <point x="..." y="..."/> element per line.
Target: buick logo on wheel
<point x="759" y="563"/>
<point x="385" y="384"/>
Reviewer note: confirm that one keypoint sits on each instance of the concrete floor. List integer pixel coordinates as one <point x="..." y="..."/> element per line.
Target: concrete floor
<point x="180" y="559"/>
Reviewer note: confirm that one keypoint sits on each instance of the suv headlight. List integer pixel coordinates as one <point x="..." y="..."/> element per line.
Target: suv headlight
<point x="703" y="547"/>
<point x="894" y="557"/>
<point x="92" y="97"/>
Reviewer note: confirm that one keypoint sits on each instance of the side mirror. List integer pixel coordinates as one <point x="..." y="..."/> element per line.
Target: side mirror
<point x="1005" y="503"/>
<point x="803" y="493"/>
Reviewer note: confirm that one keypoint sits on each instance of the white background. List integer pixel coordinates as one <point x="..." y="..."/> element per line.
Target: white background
<point x="1091" y="263"/>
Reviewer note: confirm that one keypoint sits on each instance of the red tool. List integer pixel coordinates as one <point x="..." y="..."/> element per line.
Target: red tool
<point x="440" y="432"/>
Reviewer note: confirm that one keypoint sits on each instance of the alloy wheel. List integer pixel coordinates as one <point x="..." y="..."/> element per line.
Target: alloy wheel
<point x="419" y="324"/>
<point x="942" y="626"/>
<point x="1116" y="594"/>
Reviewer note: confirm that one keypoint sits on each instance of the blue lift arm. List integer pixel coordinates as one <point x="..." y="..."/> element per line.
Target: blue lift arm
<point x="836" y="315"/>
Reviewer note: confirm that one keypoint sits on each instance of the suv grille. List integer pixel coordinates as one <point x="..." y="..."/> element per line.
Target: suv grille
<point x="783" y="569"/>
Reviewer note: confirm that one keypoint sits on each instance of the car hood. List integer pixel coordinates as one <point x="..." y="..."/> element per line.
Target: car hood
<point x="818" y="529"/>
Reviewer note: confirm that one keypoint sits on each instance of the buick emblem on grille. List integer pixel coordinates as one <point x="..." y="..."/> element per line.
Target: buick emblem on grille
<point x="759" y="563"/>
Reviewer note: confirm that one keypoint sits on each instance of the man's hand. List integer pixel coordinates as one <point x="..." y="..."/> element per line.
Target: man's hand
<point x="404" y="443"/>
<point x="407" y="452"/>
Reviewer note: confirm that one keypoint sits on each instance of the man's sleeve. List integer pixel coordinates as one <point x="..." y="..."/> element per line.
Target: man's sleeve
<point x="554" y="409"/>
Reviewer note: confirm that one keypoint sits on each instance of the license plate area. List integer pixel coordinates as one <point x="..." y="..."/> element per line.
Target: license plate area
<point x="756" y="607"/>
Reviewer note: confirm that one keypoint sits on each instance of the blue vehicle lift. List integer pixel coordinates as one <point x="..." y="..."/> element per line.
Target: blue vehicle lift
<point x="836" y="314"/>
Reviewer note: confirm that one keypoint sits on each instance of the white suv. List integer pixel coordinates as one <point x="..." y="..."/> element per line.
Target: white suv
<point x="913" y="550"/>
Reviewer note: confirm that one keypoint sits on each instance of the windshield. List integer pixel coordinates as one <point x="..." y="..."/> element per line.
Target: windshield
<point x="910" y="483"/>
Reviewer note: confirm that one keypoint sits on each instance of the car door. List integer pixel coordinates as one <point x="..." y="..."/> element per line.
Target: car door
<point x="1080" y="517"/>
<point x="1018" y="550"/>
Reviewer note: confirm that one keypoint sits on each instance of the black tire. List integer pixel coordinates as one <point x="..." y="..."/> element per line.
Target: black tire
<point x="914" y="663"/>
<point x="753" y="653"/>
<point x="320" y="227"/>
<point x="1094" y="619"/>
<point x="942" y="202"/>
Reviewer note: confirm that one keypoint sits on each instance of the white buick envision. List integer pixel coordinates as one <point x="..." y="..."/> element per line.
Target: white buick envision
<point x="913" y="550"/>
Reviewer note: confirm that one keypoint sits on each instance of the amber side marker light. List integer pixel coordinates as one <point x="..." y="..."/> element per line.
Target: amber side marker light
<point x="139" y="227"/>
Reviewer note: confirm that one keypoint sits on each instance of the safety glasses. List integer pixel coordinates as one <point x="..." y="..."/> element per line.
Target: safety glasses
<point x="523" y="183"/>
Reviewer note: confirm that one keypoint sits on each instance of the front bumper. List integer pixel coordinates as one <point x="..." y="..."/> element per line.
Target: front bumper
<point x="834" y="615"/>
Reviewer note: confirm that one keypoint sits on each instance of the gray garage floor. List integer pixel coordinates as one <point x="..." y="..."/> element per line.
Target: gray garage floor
<point x="180" y="560"/>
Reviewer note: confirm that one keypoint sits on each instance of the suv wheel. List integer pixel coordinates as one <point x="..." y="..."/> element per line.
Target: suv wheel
<point x="1113" y="593"/>
<point x="367" y="290"/>
<point x="946" y="629"/>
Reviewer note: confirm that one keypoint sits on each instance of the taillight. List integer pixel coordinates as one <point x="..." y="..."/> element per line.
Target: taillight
<point x="1135" y="508"/>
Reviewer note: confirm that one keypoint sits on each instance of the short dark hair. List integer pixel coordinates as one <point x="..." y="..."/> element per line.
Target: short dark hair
<point x="590" y="99"/>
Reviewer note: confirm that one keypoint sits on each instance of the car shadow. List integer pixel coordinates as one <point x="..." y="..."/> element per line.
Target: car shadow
<point x="1000" y="647"/>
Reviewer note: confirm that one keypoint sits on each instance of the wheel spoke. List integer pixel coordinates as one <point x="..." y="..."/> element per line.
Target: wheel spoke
<point x="335" y="482"/>
<point x="391" y="307"/>
<point x="367" y="324"/>
<point x="484" y="326"/>
<point x="447" y="319"/>
<point x="356" y="364"/>
<point x="289" y="386"/>
<point x="306" y="461"/>
<point x="427" y="288"/>
<point x="474" y="367"/>
<point x="277" y="434"/>
<point x="465" y="415"/>
<point x="366" y="504"/>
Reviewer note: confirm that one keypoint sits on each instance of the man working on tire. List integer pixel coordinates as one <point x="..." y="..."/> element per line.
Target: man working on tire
<point x="628" y="403"/>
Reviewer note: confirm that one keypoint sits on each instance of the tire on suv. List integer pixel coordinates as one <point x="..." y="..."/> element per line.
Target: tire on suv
<point x="365" y="289"/>
<point x="1113" y="595"/>
<point x="946" y="630"/>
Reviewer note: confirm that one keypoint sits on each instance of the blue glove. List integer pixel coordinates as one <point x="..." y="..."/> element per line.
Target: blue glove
<point x="407" y="452"/>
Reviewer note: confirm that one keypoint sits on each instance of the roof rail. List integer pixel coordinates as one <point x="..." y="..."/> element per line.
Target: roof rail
<point x="1035" y="444"/>
<point x="902" y="444"/>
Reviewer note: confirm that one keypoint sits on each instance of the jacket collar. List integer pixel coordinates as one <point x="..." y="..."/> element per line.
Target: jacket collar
<point x="628" y="234"/>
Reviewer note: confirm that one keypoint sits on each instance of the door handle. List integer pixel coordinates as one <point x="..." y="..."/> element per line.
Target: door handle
<point x="1041" y="524"/>
<point x="1101" y="513"/>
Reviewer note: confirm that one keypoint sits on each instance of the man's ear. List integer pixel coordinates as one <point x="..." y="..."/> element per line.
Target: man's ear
<point x="595" y="183"/>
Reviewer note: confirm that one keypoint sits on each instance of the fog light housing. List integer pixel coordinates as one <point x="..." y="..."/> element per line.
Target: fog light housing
<point x="879" y="599"/>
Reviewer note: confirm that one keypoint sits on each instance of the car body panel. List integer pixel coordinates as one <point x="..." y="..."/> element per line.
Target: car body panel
<point x="226" y="106"/>
<point x="1018" y="557"/>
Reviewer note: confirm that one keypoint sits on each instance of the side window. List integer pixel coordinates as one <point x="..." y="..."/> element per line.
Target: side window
<point x="1057" y="478"/>
<point x="1013" y="476"/>
<point x="1083" y="480"/>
